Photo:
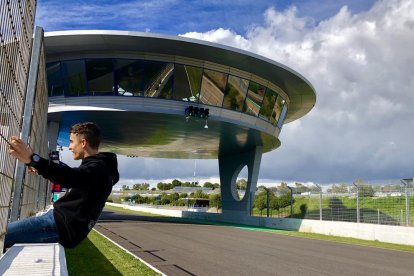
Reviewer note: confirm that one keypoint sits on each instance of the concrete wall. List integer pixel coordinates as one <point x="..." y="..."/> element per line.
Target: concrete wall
<point x="365" y="231"/>
<point x="155" y="210"/>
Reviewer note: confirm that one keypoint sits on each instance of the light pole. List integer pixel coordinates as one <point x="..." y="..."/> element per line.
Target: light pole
<point x="291" y="201"/>
<point x="406" y="182"/>
<point x="357" y="194"/>
<point x="267" y="200"/>
<point x="320" y="201"/>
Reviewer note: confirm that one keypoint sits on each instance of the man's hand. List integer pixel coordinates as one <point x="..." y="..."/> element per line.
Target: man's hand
<point x="20" y="150"/>
<point x="32" y="170"/>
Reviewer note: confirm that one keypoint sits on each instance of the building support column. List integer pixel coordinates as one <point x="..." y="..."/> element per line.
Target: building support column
<point x="52" y="134"/>
<point x="230" y="166"/>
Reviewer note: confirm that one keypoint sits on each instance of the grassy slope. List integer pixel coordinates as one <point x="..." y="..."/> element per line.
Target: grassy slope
<point x="98" y="256"/>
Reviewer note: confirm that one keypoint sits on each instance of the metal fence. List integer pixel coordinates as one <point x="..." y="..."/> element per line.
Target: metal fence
<point x="16" y="40"/>
<point x="386" y="204"/>
<point x="35" y="195"/>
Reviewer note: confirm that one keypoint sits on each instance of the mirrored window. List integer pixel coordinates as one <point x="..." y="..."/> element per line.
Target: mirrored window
<point x="165" y="88"/>
<point x="156" y="76"/>
<point x="213" y="85"/>
<point x="268" y="105"/>
<point x="254" y="98"/>
<point x="236" y="93"/>
<point x="187" y="82"/>
<point x="129" y="77"/>
<point x="99" y="76"/>
<point x="278" y="108"/>
<point x="282" y="116"/>
<point x="54" y="79"/>
<point x="74" y="77"/>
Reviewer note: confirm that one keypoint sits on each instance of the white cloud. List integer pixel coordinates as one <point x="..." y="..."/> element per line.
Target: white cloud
<point x="361" y="67"/>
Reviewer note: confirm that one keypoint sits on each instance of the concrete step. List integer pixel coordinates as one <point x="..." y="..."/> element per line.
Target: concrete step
<point x="34" y="259"/>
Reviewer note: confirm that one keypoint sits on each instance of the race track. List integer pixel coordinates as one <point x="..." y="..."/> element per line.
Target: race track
<point x="176" y="247"/>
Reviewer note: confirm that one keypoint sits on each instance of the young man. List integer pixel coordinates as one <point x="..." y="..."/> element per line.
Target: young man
<point x="89" y="185"/>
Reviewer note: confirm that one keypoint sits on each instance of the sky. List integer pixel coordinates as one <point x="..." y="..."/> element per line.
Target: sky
<point x="357" y="55"/>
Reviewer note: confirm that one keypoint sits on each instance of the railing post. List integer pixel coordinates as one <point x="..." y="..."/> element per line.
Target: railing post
<point x="27" y="119"/>
<point x="320" y="201"/>
<point x="357" y="194"/>
<point x="291" y="201"/>
<point x="406" y="183"/>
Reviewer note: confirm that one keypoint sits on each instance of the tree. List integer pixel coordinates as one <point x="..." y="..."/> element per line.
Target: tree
<point x="365" y="190"/>
<point x="200" y="194"/>
<point x="176" y="183"/>
<point x="284" y="201"/>
<point x="300" y="188"/>
<point x="241" y="184"/>
<point x="141" y="187"/>
<point x="125" y="188"/>
<point x="260" y="202"/>
<point x="188" y="184"/>
<point x="208" y="185"/>
<point x="274" y="203"/>
<point x="338" y="189"/>
<point x="215" y="201"/>
<point x="164" y="186"/>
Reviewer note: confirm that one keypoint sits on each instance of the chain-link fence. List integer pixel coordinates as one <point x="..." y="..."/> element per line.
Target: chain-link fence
<point x="16" y="45"/>
<point x="379" y="204"/>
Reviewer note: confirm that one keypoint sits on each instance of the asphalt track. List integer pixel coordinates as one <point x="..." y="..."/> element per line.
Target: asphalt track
<point x="176" y="247"/>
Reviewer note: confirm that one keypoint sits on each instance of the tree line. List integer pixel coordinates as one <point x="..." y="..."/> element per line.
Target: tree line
<point x="165" y="186"/>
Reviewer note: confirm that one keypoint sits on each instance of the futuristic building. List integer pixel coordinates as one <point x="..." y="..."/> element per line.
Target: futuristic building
<point x="173" y="97"/>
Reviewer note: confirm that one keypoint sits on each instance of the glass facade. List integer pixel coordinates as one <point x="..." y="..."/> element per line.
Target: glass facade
<point x="187" y="82"/>
<point x="254" y="99"/>
<point x="268" y="104"/>
<point x="99" y="75"/>
<point x="236" y="93"/>
<point x="143" y="78"/>
<point x="54" y="81"/>
<point x="74" y="78"/>
<point x="213" y="86"/>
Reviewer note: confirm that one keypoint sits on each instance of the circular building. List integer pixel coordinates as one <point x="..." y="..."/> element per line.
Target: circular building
<point x="173" y="97"/>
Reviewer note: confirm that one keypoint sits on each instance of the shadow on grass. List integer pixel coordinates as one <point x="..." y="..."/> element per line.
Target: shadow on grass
<point x="86" y="259"/>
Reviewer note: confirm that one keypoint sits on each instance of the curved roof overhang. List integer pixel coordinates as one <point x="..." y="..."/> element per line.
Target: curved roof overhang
<point x="298" y="92"/>
<point x="151" y="127"/>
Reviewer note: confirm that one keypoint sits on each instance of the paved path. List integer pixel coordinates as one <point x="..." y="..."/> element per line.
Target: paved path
<point x="179" y="248"/>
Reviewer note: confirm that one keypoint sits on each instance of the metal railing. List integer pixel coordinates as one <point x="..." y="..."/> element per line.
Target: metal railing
<point x="35" y="190"/>
<point x="360" y="203"/>
<point x="16" y="70"/>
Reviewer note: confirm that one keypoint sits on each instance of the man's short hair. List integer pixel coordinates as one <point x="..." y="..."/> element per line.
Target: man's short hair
<point x="89" y="131"/>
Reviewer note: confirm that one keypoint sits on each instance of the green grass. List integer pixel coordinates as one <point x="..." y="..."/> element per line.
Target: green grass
<point x="377" y="244"/>
<point x="98" y="256"/>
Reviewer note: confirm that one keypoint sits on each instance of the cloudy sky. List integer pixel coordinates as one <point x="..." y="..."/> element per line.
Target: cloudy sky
<point x="357" y="54"/>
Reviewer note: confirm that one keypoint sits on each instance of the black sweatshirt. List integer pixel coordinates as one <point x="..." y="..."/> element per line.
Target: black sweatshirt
<point x="89" y="186"/>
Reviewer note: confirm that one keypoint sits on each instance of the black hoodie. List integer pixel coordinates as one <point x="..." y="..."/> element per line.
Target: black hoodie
<point x="88" y="186"/>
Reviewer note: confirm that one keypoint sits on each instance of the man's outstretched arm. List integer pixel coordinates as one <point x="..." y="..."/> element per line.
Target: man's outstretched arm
<point x="61" y="173"/>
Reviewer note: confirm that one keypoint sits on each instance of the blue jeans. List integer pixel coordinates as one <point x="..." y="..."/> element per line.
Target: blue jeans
<point x="41" y="229"/>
